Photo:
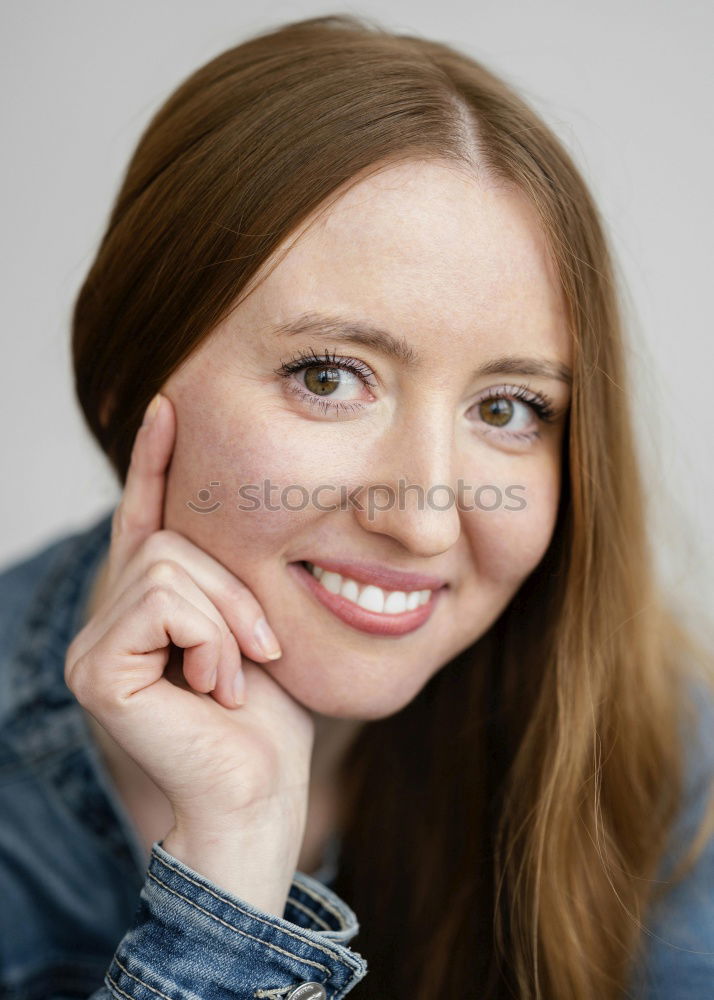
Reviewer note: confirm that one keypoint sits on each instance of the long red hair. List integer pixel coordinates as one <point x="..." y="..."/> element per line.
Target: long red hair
<point x="500" y="832"/>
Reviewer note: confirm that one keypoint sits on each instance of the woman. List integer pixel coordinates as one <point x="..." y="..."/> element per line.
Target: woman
<point x="373" y="634"/>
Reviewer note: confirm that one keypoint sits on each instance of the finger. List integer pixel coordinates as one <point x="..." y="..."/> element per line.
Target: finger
<point x="132" y="654"/>
<point x="168" y="573"/>
<point x="234" y="600"/>
<point x="140" y="510"/>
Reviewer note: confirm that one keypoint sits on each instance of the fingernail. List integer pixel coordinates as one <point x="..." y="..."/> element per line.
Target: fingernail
<point x="152" y="409"/>
<point x="266" y="639"/>
<point x="239" y="688"/>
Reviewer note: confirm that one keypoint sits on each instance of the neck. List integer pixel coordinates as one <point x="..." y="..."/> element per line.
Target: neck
<point x="333" y="738"/>
<point x="327" y="808"/>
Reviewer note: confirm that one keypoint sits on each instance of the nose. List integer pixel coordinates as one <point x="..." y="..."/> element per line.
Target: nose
<point x="413" y="497"/>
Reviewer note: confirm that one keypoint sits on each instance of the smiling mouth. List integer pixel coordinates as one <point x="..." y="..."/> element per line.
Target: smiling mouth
<point x="368" y="596"/>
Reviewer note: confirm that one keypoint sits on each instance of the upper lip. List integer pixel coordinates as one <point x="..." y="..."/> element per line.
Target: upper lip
<point x="380" y="576"/>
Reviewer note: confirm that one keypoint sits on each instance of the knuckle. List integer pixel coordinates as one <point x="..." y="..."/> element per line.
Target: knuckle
<point x="165" y="571"/>
<point x="71" y="651"/>
<point x="214" y="635"/>
<point x="170" y="537"/>
<point x="222" y="632"/>
<point x="158" y="544"/>
<point x="233" y="591"/>
<point x="159" y="598"/>
<point x="152" y="547"/>
<point x="75" y="671"/>
<point x="72" y="654"/>
<point x="217" y="631"/>
<point x="71" y="660"/>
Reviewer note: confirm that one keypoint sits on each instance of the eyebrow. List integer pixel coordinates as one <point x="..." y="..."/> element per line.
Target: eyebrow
<point x="401" y="351"/>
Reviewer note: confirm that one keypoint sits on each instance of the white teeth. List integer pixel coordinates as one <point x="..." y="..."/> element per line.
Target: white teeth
<point x="413" y="600"/>
<point x="331" y="582"/>
<point x="396" y="602"/>
<point x="368" y="596"/>
<point x="371" y="598"/>
<point x="350" y="590"/>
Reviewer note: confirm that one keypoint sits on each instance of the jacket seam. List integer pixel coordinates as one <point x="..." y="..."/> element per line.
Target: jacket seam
<point x="322" y="902"/>
<point x="234" y="906"/>
<point x="237" y="930"/>
<point x="310" y="913"/>
<point x="115" y="988"/>
<point x="137" y="980"/>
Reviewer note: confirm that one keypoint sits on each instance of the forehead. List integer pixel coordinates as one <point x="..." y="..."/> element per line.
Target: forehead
<point x="430" y="252"/>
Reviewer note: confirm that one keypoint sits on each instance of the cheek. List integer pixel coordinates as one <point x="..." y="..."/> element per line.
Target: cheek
<point x="267" y="475"/>
<point x="508" y="541"/>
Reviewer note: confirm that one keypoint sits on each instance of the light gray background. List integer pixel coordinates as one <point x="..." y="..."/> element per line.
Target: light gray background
<point x="628" y="87"/>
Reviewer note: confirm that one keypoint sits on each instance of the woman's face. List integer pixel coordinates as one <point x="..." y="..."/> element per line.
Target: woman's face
<point x="455" y="271"/>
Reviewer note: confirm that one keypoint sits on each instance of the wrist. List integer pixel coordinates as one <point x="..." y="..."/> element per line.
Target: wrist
<point x="257" y="865"/>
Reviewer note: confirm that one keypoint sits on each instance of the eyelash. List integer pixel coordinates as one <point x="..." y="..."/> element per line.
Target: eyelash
<point x="541" y="404"/>
<point x="308" y="359"/>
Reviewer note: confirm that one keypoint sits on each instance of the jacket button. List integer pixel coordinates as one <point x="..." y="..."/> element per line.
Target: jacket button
<point x="307" y="991"/>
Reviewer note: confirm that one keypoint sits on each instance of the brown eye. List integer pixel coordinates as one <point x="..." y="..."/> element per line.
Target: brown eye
<point x="324" y="383"/>
<point x="501" y="410"/>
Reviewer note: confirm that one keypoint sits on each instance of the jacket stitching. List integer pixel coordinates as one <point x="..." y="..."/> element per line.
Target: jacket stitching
<point x="137" y="980"/>
<point x="115" y="988"/>
<point x="237" y="930"/>
<point x="311" y="913"/>
<point x="233" y="906"/>
<point x="323" y="903"/>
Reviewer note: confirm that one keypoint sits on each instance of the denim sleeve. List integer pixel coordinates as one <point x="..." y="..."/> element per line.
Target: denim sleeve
<point x="678" y="959"/>
<point x="191" y="940"/>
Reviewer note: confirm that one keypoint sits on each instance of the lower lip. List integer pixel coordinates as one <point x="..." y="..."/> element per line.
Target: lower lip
<point x="361" y="619"/>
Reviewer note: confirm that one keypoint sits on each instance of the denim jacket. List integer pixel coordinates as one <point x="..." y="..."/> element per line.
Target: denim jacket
<point x="84" y="913"/>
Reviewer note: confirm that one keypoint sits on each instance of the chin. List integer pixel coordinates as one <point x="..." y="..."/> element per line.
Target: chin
<point x="344" y="697"/>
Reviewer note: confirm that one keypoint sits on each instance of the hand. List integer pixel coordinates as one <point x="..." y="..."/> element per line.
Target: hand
<point x="156" y="663"/>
